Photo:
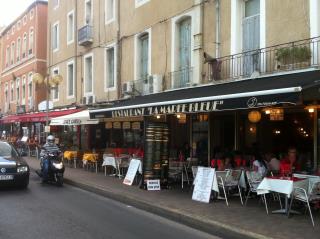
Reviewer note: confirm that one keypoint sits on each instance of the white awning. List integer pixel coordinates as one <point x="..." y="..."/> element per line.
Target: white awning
<point x="78" y="118"/>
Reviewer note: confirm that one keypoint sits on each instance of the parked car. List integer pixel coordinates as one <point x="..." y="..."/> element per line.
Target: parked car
<point x="13" y="169"/>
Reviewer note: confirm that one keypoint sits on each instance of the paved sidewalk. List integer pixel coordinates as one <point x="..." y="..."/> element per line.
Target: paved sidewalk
<point x="250" y="221"/>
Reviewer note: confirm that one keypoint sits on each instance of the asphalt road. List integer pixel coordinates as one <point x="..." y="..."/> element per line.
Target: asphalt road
<point x="47" y="211"/>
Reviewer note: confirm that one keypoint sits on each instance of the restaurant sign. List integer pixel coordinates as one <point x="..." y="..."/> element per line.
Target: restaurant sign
<point x="72" y="122"/>
<point x="170" y="107"/>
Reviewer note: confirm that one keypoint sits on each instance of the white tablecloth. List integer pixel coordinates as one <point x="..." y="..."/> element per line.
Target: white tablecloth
<point x="109" y="161"/>
<point x="284" y="186"/>
<point x="312" y="179"/>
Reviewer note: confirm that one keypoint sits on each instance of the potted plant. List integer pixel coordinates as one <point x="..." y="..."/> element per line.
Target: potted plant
<point x="296" y="56"/>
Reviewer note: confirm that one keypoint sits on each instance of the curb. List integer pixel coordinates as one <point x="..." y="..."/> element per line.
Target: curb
<point x="212" y="227"/>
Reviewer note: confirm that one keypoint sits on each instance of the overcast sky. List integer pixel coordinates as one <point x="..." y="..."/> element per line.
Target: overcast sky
<point x="11" y="9"/>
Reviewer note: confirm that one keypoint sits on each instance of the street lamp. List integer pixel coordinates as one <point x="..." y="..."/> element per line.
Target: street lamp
<point x="51" y="82"/>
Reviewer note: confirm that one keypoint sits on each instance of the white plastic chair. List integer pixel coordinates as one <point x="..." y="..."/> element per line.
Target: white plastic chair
<point x="229" y="181"/>
<point x="305" y="195"/>
<point x="254" y="179"/>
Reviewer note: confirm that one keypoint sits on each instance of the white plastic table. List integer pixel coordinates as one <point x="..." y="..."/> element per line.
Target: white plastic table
<point x="280" y="185"/>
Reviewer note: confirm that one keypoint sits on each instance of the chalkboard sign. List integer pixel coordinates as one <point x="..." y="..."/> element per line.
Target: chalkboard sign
<point x="203" y="184"/>
<point x="132" y="171"/>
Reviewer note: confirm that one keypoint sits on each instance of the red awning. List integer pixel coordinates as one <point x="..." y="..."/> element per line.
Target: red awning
<point x="36" y="117"/>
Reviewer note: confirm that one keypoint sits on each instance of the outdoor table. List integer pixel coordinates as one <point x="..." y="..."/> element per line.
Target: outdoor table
<point x="282" y="185"/>
<point x="109" y="160"/>
<point x="70" y="155"/>
<point x="115" y="162"/>
<point x="312" y="179"/>
<point x="90" y="158"/>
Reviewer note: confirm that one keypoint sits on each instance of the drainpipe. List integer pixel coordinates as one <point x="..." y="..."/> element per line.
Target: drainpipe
<point x="316" y="161"/>
<point x="218" y="18"/>
<point x="119" y="53"/>
<point x="76" y="53"/>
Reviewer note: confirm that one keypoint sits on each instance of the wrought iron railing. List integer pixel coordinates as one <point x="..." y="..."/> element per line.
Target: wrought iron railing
<point x="181" y="78"/>
<point x="285" y="57"/>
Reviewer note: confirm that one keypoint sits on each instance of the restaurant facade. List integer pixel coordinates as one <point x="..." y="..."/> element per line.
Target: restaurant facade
<point x="266" y="115"/>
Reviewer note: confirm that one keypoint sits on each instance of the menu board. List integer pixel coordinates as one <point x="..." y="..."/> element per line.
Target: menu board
<point x="203" y="184"/>
<point x="132" y="171"/>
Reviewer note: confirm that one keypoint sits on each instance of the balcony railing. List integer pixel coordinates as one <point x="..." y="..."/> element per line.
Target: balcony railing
<point x="280" y="58"/>
<point x="85" y="35"/>
<point x="181" y="78"/>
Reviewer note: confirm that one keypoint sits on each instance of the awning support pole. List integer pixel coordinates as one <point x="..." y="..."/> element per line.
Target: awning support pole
<point x="316" y="160"/>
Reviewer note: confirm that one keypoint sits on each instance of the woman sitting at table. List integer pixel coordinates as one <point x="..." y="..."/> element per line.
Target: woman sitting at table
<point x="291" y="159"/>
<point x="259" y="165"/>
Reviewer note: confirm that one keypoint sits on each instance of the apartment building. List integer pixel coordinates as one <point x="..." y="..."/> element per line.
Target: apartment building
<point x="23" y="53"/>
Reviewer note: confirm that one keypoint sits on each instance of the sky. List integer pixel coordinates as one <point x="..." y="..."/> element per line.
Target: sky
<point x="11" y="9"/>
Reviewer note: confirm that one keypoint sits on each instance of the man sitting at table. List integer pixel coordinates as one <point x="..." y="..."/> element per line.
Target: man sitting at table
<point x="272" y="161"/>
<point x="291" y="159"/>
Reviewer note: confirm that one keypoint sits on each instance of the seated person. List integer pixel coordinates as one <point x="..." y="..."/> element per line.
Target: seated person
<point x="291" y="159"/>
<point x="259" y="165"/>
<point x="272" y="162"/>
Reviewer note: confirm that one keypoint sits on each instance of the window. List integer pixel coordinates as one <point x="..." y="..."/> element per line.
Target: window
<point x="140" y="2"/>
<point x="19" y="25"/>
<point x="251" y="36"/>
<point x="70" y="27"/>
<point x="23" y="87"/>
<point x="6" y="93"/>
<point x="70" y="79"/>
<point x="88" y="74"/>
<point x="13" y="30"/>
<point x="12" y="91"/>
<point x="110" y="10"/>
<point x="55" y="37"/>
<point x="55" y="91"/>
<point x="55" y="4"/>
<point x="31" y="14"/>
<point x="88" y="12"/>
<point x="24" y="20"/>
<point x="30" y="86"/>
<point x="7" y="56"/>
<point x="143" y="60"/>
<point x="18" y="89"/>
<point x="30" y="42"/>
<point x="13" y="49"/>
<point x="24" y="46"/>
<point x="18" y="49"/>
<point x="184" y="47"/>
<point x="110" y="67"/>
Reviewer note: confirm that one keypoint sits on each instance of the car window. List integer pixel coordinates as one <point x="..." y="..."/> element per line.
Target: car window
<point x="6" y="150"/>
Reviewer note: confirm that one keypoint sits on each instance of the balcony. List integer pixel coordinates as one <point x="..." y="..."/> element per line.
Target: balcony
<point x="85" y="35"/>
<point x="181" y="78"/>
<point x="286" y="57"/>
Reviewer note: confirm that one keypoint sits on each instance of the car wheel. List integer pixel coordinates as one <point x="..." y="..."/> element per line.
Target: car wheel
<point x="24" y="184"/>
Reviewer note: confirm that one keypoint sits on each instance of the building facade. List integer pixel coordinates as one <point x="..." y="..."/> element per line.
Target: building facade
<point x="200" y="67"/>
<point x="24" y="52"/>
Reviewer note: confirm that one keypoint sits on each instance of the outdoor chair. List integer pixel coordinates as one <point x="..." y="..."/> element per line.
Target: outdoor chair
<point x="178" y="171"/>
<point x="124" y="164"/>
<point x="228" y="181"/>
<point x="254" y="179"/>
<point x="305" y="195"/>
